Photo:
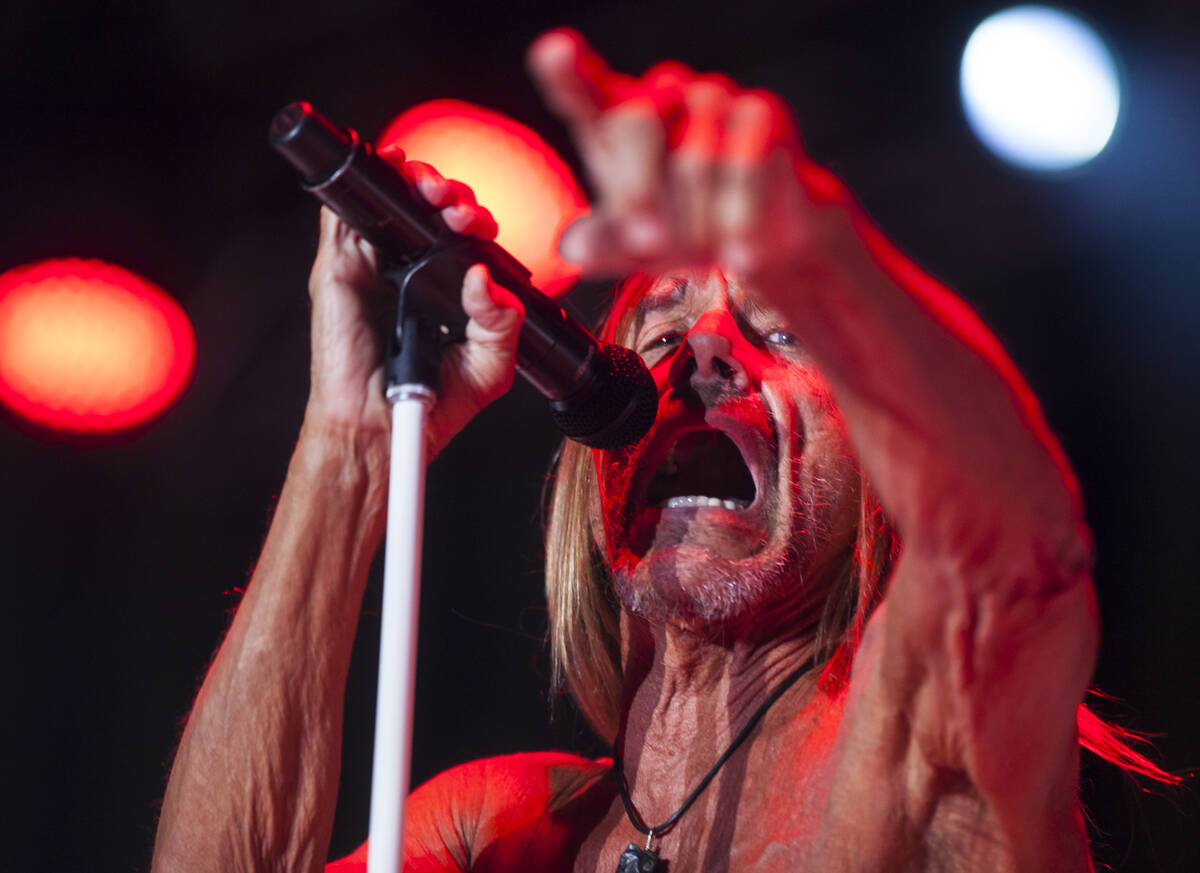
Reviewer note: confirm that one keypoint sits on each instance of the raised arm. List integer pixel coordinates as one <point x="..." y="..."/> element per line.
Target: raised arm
<point x="255" y="779"/>
<point x="980" y="656"/>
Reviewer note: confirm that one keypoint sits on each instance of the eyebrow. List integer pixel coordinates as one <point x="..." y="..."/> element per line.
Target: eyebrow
<point x="671" y="292"/>
<point x="753" y="309"/>
<point x="659" y="299"/>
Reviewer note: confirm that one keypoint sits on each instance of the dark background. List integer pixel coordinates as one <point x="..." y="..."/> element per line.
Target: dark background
<point x="136" y="134"/>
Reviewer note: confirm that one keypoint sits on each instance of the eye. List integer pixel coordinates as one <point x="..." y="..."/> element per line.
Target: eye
<point x="665" y="341"/>
<point x="781" y="338"/>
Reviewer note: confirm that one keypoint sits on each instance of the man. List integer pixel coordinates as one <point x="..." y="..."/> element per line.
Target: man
<point x="724" y="573"/>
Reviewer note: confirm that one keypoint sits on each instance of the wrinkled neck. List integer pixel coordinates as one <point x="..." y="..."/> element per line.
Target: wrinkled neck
<point x="687" y="696"/>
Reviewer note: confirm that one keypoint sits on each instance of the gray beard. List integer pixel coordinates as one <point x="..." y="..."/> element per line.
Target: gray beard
<point x="794" y="585"/>
<point x="728" y="591"/>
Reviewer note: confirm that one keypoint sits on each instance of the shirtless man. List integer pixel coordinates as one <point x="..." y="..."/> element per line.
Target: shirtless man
<point x="938" y="728"/>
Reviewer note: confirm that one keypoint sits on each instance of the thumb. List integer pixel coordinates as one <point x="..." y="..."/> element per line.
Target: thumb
<point x="476" y="372"/>
<point x="495" y="313"/>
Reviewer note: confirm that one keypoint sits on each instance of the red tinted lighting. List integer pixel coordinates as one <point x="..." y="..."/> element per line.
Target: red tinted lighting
<point x="86" y="346"/>
<point x="513" y="172"/>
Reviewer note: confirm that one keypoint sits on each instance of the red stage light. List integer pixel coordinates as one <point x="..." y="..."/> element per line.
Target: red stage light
<point x="86" y="346"/>
<point x="513" y="172"/>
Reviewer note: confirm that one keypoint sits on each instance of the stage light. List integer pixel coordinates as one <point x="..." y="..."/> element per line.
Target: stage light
<point x="1040" y="88"/>
<point x="513" y="172"/>
<point x="87" y="346"/>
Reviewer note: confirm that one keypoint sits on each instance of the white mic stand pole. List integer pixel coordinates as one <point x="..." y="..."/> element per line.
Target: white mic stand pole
<point x="411" y="391"/>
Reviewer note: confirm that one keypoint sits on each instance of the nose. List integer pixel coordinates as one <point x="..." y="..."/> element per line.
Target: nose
<point x="716" y="364"/>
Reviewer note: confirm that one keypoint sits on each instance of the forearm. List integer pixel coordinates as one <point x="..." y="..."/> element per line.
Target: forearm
<point x="946" y="428"/>
<point x="990" y="628"/>
<point x="254" y="782"/>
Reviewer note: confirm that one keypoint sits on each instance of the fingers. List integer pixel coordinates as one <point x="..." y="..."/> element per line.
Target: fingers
<point x="436" y="188"/>
<point x="687" y="168"/>
<point x="749" y="140"/>
<point x="470" y="219"/>
<point x="692" y="164"/>
<point x="717" y="194"/>
<point x="575" y="81"/>
<point x="758" y="190"/>
<point x="333" y="232"/>
<point x="622" y="127"/>
<point x="455" y="199"/>
<point x="757" y="124"/>
<point x="595" y="243"/>
<point x="634" y="140"/>
<point x="343" y="257"/>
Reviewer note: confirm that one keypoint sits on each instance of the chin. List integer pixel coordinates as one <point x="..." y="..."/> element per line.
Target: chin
<point x="694" y="587"/>
<point x="724" y="570"/>
<point x="724" y="516"/>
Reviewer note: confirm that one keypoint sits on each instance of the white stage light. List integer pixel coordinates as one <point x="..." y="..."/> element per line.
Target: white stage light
<point x="1040" y="88"/>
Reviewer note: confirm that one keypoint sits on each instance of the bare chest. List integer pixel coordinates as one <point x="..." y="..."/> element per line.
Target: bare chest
<point x="803" y="809"/>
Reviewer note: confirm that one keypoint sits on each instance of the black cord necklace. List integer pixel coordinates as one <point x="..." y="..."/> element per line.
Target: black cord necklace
<point x="638" y="860"/>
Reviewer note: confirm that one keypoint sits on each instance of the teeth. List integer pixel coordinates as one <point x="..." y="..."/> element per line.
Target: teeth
<point x="681" y="502"/>
<point x="700" y="500"/>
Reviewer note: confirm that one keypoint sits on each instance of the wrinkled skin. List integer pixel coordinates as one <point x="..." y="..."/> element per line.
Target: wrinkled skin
<point x="723" y="361"/>
<point x="954" y="744"/>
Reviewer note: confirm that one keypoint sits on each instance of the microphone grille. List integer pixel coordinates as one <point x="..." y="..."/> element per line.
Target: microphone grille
<point x="615" y="407"/>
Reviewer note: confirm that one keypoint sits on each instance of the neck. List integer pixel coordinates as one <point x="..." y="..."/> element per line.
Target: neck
<point x="687" y="697"/>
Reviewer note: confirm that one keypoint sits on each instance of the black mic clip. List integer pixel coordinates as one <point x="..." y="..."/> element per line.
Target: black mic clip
<point x="424" y="306"/>
<point x="414" y="349"/>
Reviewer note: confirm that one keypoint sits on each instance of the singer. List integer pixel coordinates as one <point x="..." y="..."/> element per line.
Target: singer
<point x="833" y="611"/>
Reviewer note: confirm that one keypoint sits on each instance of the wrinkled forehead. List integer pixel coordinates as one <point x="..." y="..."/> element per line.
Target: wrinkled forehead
<point x="644" y="295"/>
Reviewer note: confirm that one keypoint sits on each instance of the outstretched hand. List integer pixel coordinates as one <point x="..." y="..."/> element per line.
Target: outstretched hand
<point x="687" y="168"/>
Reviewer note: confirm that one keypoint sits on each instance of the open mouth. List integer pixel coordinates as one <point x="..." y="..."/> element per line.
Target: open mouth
<point x="702" y="468"/>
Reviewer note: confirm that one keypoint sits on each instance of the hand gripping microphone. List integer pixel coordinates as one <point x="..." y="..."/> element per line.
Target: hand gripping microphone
<point x="600" y="394"/>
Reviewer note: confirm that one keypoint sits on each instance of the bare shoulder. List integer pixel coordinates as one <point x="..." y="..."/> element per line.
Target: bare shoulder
<point x="510" y="789"/>
<point x="488" y="808"/>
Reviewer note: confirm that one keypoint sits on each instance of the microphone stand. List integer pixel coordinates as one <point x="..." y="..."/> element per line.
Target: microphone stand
<point x="413" y="365"/>
<point x="600" y="394"/>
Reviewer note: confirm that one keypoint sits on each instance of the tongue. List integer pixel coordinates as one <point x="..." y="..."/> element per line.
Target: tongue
<point x="702" y="463"/>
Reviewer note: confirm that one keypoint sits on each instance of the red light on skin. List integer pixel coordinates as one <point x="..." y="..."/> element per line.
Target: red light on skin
<point x="86" y="346"/>
<point x="530" y="191"/>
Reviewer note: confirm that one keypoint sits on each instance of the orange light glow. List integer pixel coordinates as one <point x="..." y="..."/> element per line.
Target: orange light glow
<point x="86" y="346"/>
<point x="513" y="172"/>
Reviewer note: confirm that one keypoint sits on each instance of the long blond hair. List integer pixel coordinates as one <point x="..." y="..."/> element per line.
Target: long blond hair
<point x="585" y="643"/>
<point x="584" y="616"/>
<point x="584" y="625"/>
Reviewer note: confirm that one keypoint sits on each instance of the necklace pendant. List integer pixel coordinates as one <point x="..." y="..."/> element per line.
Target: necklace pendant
<point x="638" y="860"/>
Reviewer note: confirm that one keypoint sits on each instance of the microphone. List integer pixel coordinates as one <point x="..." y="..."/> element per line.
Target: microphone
<point x="600" y="394"/>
